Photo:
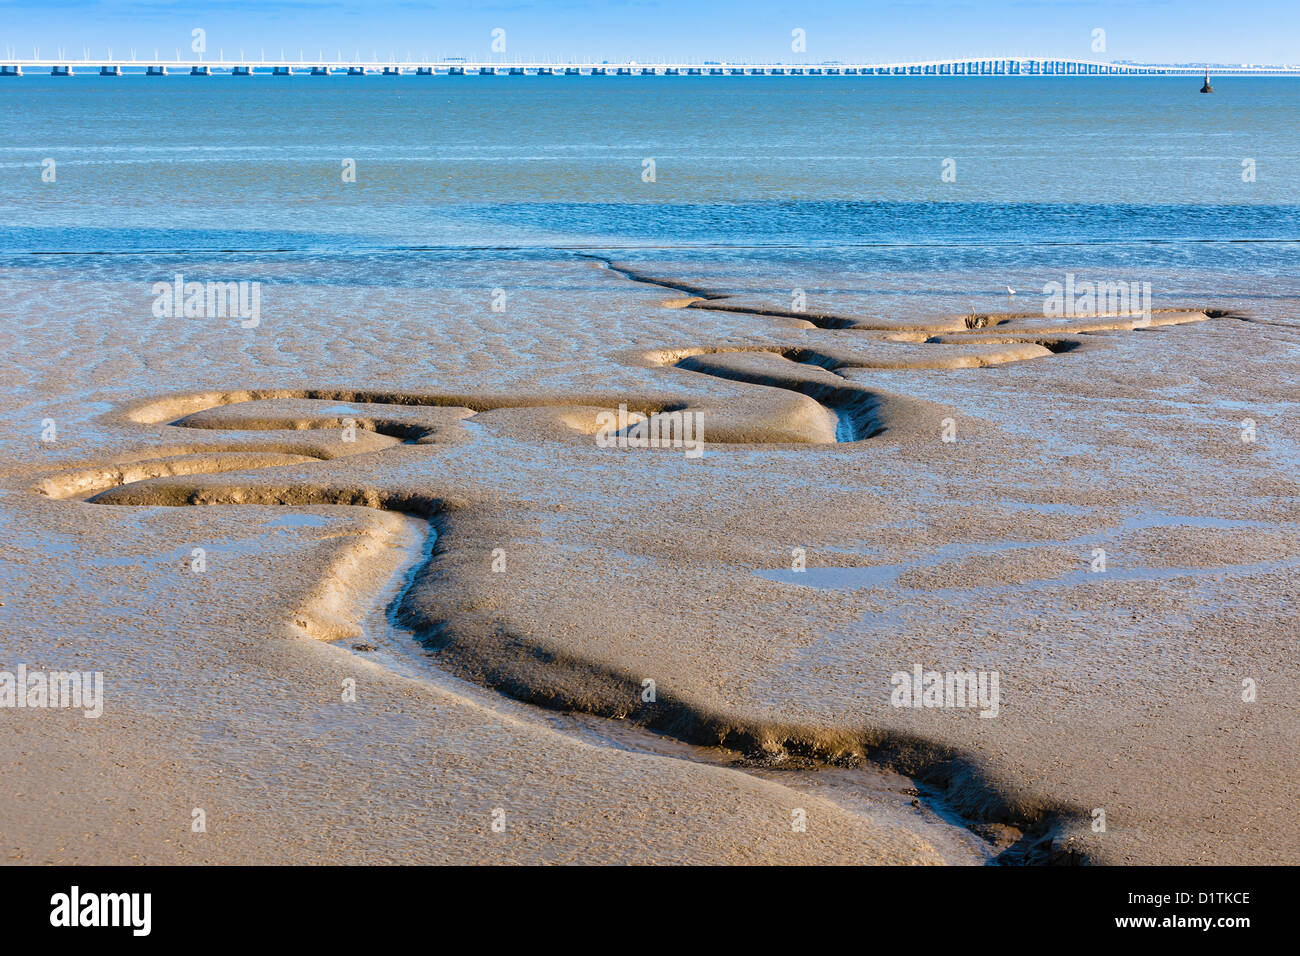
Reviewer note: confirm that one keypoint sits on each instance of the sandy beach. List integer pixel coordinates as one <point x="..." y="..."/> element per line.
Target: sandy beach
<point x="438" y="620"/>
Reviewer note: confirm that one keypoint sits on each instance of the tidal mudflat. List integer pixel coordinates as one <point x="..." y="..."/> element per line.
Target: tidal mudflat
<point x="510" y="517"/>
<point x="447" y="473"/>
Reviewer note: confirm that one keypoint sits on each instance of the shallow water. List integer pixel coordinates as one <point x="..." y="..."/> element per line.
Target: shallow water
<point x="885" y="576"/>
<point x="514" y="162"/>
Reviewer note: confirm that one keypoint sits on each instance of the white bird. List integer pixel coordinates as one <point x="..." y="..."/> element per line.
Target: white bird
<point x="1010" y="291"/>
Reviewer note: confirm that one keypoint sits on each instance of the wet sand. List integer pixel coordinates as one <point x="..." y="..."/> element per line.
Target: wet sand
<point x="1121" y="689"/>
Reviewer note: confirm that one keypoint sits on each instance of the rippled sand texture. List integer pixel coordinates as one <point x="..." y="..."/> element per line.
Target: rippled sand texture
<point x="1121" y="690"/>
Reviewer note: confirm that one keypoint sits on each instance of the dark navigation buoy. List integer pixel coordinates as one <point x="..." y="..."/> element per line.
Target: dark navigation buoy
<point x="1207" y="88"/>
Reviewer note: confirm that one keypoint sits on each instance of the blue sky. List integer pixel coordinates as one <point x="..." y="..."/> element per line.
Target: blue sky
<point x="1263" y="31"/>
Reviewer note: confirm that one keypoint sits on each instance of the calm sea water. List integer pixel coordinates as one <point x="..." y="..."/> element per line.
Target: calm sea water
<point x="1128" y="170"/>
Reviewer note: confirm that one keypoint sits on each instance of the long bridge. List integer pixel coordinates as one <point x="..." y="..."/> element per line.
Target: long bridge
<point x="973" y="66"/>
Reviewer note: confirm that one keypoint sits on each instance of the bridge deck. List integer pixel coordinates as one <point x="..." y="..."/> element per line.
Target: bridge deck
<point x="996" y="66"/>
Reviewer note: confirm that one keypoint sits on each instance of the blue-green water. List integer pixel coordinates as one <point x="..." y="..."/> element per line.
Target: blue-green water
<point x="1093" y="173"/>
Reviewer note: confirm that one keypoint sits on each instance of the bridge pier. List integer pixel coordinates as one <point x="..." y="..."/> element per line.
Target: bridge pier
<point x="1021" y="66"/>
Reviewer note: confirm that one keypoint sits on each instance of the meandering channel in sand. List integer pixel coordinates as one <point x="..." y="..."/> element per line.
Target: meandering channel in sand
<point x="807" y="401"/>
